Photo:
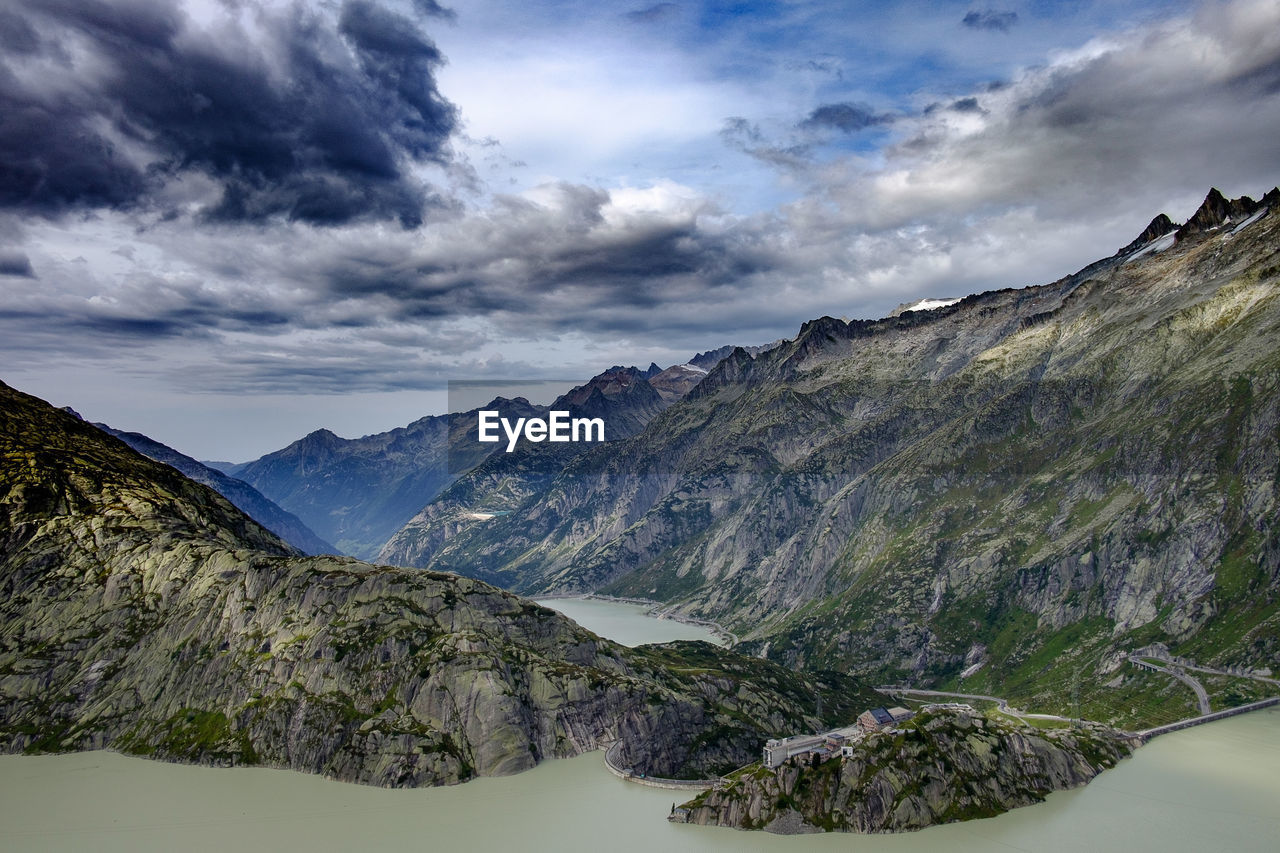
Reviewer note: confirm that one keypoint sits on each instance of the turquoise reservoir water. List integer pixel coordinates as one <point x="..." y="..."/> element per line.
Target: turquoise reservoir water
<point x="1203" y="790"/>
<point x="626" y="623"/>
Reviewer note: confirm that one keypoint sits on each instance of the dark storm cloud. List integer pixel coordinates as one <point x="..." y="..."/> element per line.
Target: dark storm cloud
<point x="845" y="117"/>
<point x="566" y="259"/>
<point x="990" y="19"/>
<point x="116" y="101"/>
<point x="15" y="264"/>
<point x="543" y="265"/>
<point x="16" y="34"/>
<point x="966" y="105"/>
<point x="745" y="136"/>
<point x="650" y="14"/>
<point x="432" y="9"/>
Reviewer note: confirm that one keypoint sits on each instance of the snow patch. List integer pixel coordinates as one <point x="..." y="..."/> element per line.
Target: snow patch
<point x="1157" y="245"/>
<point x="930" y="304"/>
<point x="1258" y="214"/>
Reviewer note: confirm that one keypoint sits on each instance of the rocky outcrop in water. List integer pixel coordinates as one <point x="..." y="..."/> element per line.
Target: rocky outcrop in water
<point x="940" y="767"/>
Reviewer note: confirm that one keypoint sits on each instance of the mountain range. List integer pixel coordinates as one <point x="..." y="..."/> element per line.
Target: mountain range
<point x="358" y="492"/>
<point x="142" y="612"/>
<point x="1005" y="492"/>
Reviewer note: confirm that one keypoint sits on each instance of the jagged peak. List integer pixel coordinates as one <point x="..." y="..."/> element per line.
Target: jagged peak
<point x="826" y="325"/>
<point x="1216" y="210"/>
<point x="321" y="439"/>
<point x="1157" y="228"/>
<point x="507" y="401"/>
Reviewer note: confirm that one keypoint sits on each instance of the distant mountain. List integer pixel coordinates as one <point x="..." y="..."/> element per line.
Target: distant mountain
<point x="709" y="359"/>
<point x="249" y="500"/>
<point x="625" y="398"/>
<point x="621" y="396"/>
<point x="356" y="492"/>
<point x="359" y="492"/>
<point x="1004" y="494"/>
<point x="924" y="305"/>
<point x="676" y="381"/>
<point x="145" y="614"/>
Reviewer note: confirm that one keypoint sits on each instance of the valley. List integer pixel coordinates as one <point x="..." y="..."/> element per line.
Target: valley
<point x="1061" y="497"/>
<point x="1000" y="494"/>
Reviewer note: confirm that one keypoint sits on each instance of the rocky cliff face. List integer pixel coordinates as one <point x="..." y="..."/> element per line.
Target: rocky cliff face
<point x="624" y="398"/>
<point x="940" y="768"/>
<point x="1033" y="480"/>
<point x="140" y="611"/>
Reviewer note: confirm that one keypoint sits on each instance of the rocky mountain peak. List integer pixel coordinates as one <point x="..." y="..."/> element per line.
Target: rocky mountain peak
<point x="1156" y="229"/>
<point x="1217" y="210"/>
<point x="676" y="381"/>
<point x="613" y="382"/>
<point x="710" y="358"/>
<point x="1214" y="212"/>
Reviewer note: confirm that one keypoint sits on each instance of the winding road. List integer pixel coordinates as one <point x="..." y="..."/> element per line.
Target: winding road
<point x="1001" y="704"/>
<point x="1202" y="696"/>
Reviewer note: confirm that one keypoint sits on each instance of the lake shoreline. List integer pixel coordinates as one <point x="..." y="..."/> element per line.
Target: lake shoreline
<point x="1216" y="781"/>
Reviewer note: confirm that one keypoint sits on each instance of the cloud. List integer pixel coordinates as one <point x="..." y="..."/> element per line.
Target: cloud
<point x="845" y="117"/>
<point x="133" y="105"/>
<point x="990" y="19"/>
<point x="1123" y="126"/>
<point x="658" y="12"/>
<point x="432" y="9"/>
<point x="15" y="264"/>
<point x="996" y="186"/>
<point x="743" y="135"/>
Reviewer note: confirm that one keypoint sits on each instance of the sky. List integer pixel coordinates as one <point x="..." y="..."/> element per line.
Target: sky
<point x="227" y="223"/>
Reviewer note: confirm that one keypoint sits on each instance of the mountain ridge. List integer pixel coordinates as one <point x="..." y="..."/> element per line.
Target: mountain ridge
<point x="779" y="489"/>
<point x="256" y="505"/>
